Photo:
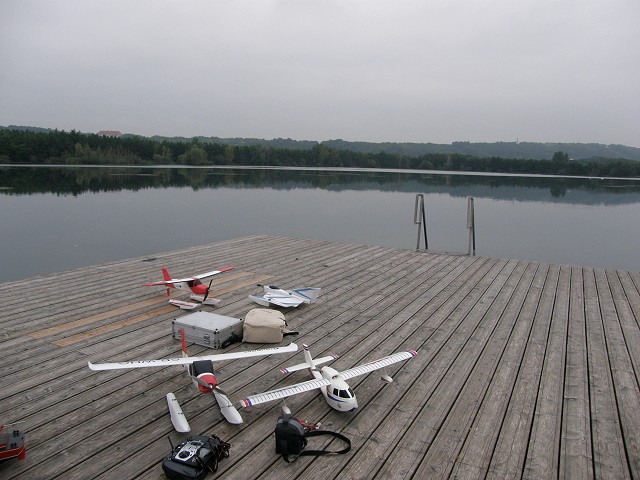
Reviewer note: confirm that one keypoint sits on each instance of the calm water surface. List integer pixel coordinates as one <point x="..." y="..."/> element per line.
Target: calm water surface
<point x="54" y="219"/>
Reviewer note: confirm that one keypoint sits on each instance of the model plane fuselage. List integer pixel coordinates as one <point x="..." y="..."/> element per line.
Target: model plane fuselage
<point x="338" y="393"/>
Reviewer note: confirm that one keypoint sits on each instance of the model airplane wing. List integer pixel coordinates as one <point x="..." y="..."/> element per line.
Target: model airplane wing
<point x="164" y="282"/>
<point x="286" y="298"/>
<point x="215" y="272"/>
<point x="308" y="295"/>
<point x="377" y="364"/>
<point x="292" y="347"/>
<point x="284" y="392"/>
<point x="285" y="301"/>
<point x="171" y="281"/>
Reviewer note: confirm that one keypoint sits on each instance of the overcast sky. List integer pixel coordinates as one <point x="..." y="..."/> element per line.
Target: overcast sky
<point x="361" y="70"/>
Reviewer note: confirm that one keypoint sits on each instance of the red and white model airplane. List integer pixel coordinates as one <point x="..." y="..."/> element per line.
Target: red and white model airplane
<point x="200" y="371"/>
<point x="199" y="291"/>
<point x="331" y="383"/>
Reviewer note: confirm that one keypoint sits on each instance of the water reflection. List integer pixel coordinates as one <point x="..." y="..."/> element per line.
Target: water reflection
<point x="75" y="181"/>
<point x="59" y="218"/>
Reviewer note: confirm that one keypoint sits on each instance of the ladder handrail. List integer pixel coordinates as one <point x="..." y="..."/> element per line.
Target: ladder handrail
<point x="419" y="218"/>
<point x="471" y="225"/>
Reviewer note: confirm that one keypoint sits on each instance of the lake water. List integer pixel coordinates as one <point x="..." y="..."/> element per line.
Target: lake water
<point x="58" y="218"/>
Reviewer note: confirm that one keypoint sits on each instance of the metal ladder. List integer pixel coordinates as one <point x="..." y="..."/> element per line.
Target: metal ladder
<point x="419" y="218"/>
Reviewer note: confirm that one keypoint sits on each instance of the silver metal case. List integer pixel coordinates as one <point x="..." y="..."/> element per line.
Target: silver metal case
<point x="208" y="329"/>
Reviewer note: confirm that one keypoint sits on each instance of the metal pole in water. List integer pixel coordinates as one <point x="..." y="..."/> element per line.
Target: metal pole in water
<point x="419" y="218"/>
<point x="471" y="225"/>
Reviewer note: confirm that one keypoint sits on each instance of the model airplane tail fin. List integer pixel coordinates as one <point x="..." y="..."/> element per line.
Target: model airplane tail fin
<point x="184" y="343"/>
<point x="303" y="366"/>
<point x="165" y="274"/>
<point x="310" y="362"/>
<point x="167" y="277"/>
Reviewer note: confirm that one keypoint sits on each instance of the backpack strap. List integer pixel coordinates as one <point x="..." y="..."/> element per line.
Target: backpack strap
<point x="316" y="433"/>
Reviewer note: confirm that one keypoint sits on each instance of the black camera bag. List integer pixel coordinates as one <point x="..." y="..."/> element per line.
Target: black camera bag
<point x="291" y="439"/>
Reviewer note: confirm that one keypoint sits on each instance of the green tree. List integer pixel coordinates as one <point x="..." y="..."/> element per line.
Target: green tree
<point x="560" y="157"/>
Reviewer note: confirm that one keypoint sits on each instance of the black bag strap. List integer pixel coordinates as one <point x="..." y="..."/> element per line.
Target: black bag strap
<point x="317" y="433"/>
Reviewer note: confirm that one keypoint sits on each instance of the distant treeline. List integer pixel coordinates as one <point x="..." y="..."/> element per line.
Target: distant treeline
<point x="516" y="150"/>
<point x="76" y="148"/>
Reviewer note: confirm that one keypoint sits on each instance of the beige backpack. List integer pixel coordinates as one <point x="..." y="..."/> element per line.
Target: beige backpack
<point x="263" y="325"/>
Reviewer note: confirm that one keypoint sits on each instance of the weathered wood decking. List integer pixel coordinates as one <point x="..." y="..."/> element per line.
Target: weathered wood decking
<point x="523" y="369"/>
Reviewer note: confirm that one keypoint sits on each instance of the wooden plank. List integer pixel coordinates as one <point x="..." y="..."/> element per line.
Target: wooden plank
<point x="511" y="447"/>
<point x="625" y="382"/>
<point x="609" y="458"/>
<point x="576" y="457"/>
<point x="475" y="455"/>
<point x="544" y="440"/>
<point x="498" y="323"/>
<point x="627" y="306"/>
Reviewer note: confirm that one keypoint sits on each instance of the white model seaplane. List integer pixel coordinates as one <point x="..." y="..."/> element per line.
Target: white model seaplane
<point x="285" y="298"/>
<point x="200" y="371"/>
<point x="199" y="291"/>
<point x="331" y="383"/>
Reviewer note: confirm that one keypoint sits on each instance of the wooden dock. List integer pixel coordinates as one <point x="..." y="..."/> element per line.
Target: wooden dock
<point x="523" y="369"/>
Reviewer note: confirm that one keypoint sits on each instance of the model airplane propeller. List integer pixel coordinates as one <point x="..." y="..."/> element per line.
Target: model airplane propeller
<point x="200" y="371"/>
<point x="285" y="298"/>
<point x="331" y="383"/>
<point x="199" y="291"/>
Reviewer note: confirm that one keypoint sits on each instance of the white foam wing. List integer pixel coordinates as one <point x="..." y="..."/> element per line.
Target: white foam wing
<point x="200" y="277"/>
<point x="377" y="364"/>
<point x="280" y="299"/>
<point x="283" y="300"/>
<point x="284" y="392"/>
<point x="211" y="274"/>
<point x="309" y="295"/>
<point x="163" y="362"/>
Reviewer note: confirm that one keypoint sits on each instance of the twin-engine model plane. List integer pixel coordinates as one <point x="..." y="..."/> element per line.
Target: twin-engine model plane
<point x="200" y="371"/>
<point x="331" y="383"/>
<point x="199" y="291"/>
<point x="285" y="298"/>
